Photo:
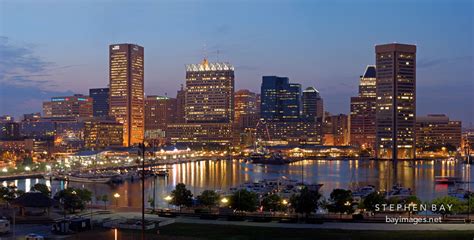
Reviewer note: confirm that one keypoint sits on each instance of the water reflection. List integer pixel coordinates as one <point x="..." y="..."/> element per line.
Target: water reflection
<point x="221" y="175"/>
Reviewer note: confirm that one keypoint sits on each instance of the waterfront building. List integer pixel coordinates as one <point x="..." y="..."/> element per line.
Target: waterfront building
<point x="159" y="112"/>
<point x="336" y="130"/>
<point x="396" y="101"/>
<point x="76" y="106"/>
<point x="102" y="133"/>
<point x="313" y="107"/>
<point x="100" y="101"/>
<point x="292" y="133"/>
<point x="126" y="102"/>
<point x="363" y="109"/>
<point x="280" y="99"/>
<point x="436" y="131"/>
<point x="209" y="106"/>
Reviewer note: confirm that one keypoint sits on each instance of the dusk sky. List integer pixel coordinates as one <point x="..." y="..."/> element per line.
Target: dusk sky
<point x="54" y="48"/>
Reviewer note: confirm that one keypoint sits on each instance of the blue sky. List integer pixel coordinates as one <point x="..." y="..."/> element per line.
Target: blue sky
<point x="50" y="48"/>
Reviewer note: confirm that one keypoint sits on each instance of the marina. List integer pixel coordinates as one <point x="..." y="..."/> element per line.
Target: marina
<point x="417" y="177"/>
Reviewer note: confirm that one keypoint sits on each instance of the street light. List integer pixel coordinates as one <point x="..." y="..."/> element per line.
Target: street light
<point x="168" y="200"/>
<point x="224" y="200"/>
<point x="284" y="202"/>
<point x="116" y="196"/>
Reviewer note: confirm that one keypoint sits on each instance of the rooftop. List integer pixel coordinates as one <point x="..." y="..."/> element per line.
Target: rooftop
<point x="205" y="66"/>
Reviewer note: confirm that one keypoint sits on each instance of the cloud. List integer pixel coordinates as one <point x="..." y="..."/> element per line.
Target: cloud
<point x="20" y="66"/>
<point x="427" y="63"/>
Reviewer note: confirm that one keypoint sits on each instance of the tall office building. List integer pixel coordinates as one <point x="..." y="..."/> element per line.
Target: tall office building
<point x="312" y="104"/>
<point x="396" y="101"/>
<point x="76" y="106"/>
<point x="362" y="119"/>
<point x="209" y="106"/>
<point x="246" y="117"/>
<point x="100" y="101"/>
<point x="159" y="112"/>
<point x="209" y="92"/>
<point x="280" y="99"/>
<point x="127" y="90"/>
<point x="245" y="104"/>
<point x="336" y="130"/>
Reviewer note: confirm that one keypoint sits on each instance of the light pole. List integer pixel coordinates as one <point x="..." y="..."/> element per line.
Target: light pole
<point x="168" y="200"/>
<point x="116" y="196"/>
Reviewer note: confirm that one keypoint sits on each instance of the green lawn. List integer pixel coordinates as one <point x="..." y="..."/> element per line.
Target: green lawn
<point x="243" y="232"/>
<point x="186" y="231"/>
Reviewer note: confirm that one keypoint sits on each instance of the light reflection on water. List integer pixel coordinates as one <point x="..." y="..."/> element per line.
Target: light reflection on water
<point x="220" y="175"/>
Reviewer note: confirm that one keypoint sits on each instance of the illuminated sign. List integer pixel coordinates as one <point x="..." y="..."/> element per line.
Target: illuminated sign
<point x="57" y="99"/>
<point x="116" y="47"/>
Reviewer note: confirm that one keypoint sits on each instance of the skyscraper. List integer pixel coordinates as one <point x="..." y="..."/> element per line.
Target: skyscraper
<point x="159" y="112"/>
<point x="362" y="120"/>
<point x="209" y="106"/>
<point x="100" y="101"/>
<point x="209" y="92"/>
<point x="280" y="99"/>
<point x="312" y="104"/>
<point x="127" y="90"/>
<point x="396" y="101"/>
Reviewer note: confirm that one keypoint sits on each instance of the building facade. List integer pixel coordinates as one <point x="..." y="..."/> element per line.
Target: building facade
<point x="126" y="85"/>
<point x="209" y="106"/>
<point x="159" y="112"/>
<point x="280" y="99"/>
<point x="100" y="101"/>
<point x="396" y="101"/>
<point x="437" y="130"/>
<point x="336" y="130"/>
<point x="246" y="117"/>
<point x="313" y="106"/>
<point x="76" y="106"/>
<point x="102" y="133"/>
<point x="363" y="109"/>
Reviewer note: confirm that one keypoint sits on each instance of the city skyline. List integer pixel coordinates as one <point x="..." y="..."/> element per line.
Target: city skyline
<point x="35" y="69"/>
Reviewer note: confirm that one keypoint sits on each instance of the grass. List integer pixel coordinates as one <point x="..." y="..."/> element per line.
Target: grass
<point x="244" y="232"/>
<point x="185" y="231"/>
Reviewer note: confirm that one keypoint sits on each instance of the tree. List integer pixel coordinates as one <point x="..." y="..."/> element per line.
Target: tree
<point x="371" y="200"/>
<point x="181" y="196"/>
<point x="42" y="188"/>
<point x="9" y="193"/>
<point x="442" y="204"/>
<point x="341" y="201"/>
<point x="273" y="202"/>
<point x="208" y="198"/>
<point x="413" y="202"/>
<point x="306" y="201"/>
<point x="73" y="198"/>
<point x="244" y="200"/>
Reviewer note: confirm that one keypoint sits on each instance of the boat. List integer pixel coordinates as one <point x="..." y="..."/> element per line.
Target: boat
<point x="268" y="158"/>
<point x="162" y="173"/>
<point x="446" y="179"/>
<point x="399" y="191"/>
<point x="88" y="179"/>
<point x="363" y="192"/>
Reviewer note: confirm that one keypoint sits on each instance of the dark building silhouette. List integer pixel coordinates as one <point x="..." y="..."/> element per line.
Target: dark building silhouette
<point x="100" y="101"/>
<point x="396" y="101"/>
